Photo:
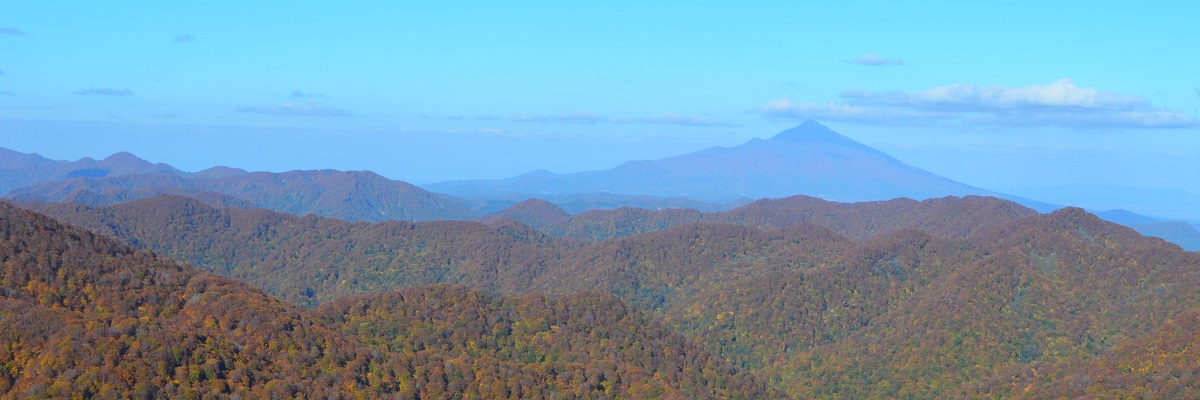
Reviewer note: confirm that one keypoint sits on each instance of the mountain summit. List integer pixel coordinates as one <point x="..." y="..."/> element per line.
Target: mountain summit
<point x="813" y="131"/>
<point x="809" y="159"/>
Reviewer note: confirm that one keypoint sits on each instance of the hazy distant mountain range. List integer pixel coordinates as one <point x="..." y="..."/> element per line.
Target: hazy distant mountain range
<point x="349" y="195"/>
<point x="19" y="169"/>
<point x="1181" y="233"/>
<point x="1164" y="203"/>
<point x="809" y="159"/>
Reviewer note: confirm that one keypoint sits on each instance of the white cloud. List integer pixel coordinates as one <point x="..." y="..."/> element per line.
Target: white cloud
<point x="788" y="109"/>
<point x="1059" y="103"/>
<point x="304" y="110"/>
<point x="11" y="31"/>
<point x="876" y="60"/>
<point x="1060" y="93"/>
<point x="184" y="38"/>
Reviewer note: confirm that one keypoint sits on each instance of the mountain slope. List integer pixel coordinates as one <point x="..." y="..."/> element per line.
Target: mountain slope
<point x="945" y="217"/>
<point x="311" y="260"/>
<point x="352" y="195"/>
<point x="582" y="344"/>
<point x="1181" y="233"/>
<point x="809" y="159"/>
<point x="21" y="169"/>
<point x="533" y="212"/>
<point x="82" y="315"/>
<point x="86" y="315"/>
<point x="930" y="303"/>
<point x="1041" y="291"/>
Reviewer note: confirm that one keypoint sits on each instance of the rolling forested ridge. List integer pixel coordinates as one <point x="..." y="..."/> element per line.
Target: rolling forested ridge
<point x="797" y="297"/>
<point x="87" y="316"/>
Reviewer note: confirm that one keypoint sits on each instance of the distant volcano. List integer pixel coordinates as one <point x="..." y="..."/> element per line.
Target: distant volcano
<point x="809" y="159"/>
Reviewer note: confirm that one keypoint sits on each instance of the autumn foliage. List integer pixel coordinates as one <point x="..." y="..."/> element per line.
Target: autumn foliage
<point x="971" y="297"/>
<point x="82" y="315"/>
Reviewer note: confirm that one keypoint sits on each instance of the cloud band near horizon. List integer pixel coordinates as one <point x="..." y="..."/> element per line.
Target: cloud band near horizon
<point x="589" y="118"/>
<point x="105" y="91"/>
<point x="1060" y="103"/>
<point x="875" y="60"/>
<point x="302" y="110"/>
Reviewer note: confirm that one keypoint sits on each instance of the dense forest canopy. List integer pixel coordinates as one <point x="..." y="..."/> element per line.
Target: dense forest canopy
<point x="83" y="315"/>
<point x="943" y="297"/>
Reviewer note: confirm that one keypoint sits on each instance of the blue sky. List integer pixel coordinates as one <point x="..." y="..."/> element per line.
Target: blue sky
<point x="1001" y="96"/>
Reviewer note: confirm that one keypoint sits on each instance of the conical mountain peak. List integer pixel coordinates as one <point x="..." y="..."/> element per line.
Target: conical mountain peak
<point x="811" y="131"/>
<point x="808" y="159"/>
<point x="124" y="157"/>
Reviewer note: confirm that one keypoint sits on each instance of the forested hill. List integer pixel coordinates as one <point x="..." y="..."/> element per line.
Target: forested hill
<point x="947" y="217"/>
<point x="86" y="315"/>
<point x="536" y="213"/>
<point x="955" y="301"/>
<point x="21" y="169"/>
<point x="308" y="260"/>
<point x="349" y="195"/>
<point x="576" y="346"/>
<point x="82" y="315"/>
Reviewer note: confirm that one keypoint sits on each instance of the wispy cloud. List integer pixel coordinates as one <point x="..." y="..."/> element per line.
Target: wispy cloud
<point x="1059" y="103"/>
<point x="168" y="115"/>
<point x="11" y="31"/>
<point x="7" y="93"/>
<point x="569" y="118"/>
<point x="686" y="120"/>
<point x="104" y="92"/>
<point x="788" y="109"/>
<point x="876" y="60"/>
<point x="589" y="118"/>
<point x="1" y="72"/>
<point x="184" y="38"/>
<point x="296" y="94"/>
<point x="1197" y="91"/>
<point x="304" y="110"/>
